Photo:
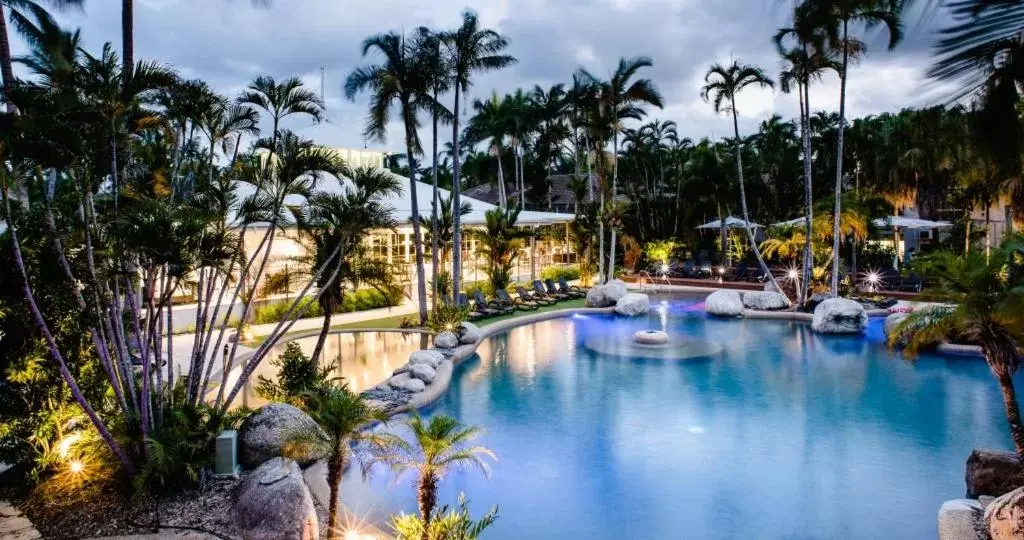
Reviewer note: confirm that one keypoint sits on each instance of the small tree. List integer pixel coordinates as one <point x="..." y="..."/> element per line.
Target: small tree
<point x="454" y="524"/>
<point x="500" y="242"/>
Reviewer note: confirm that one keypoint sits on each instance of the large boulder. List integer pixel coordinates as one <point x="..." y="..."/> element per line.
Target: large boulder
<point x="446" y="340"/>
<point x="960" y="519"/>
<point x="992" y="472"/>
<point x="724" y="303"/>
<point x="1004" y="517"/>
<point x="431" y="358"/>
<point x="839" y="316"/>
<point x="764" y="301"/>
<point x="616" y="289"/>
<point x="607" y="295"/>
<point x="422" y="372"/>
<point x="469" y="334"/>
<point x="275" y="427"/>
<point x="812" y="303"/>
<point x="407" y="383"/>
<point x="273" y="503"/>
<point x="633" y="304"/>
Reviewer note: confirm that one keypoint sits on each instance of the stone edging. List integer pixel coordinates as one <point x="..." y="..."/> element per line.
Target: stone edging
<point x="439" y="386"/>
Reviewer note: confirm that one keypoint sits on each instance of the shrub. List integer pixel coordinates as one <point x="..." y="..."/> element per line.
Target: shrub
<point x="296" y="376"/>
<point x="272" y="312"/>
<point x="446" y="317"/>
<point x="660" y="251"/>
<point x="359" y="300"/>
<point x="570" y="273"/>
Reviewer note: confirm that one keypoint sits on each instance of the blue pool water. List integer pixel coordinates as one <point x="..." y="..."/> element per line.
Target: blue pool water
<point x="781" y="434"/>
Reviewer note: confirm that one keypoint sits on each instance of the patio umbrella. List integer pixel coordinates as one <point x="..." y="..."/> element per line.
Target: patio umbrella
<point x="896" y="223"/>
<point x="730" y="223"/>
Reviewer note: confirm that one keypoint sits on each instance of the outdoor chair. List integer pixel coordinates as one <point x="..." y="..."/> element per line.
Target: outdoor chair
<point x="527" y="296"/>
<point x="481" y="300"/>
<point x="555" y="289"/>
<point x="518" y="303"/>
<point x="564" y="286"/>
<point x="913" y="283"/>
<point x="538" y="288"/>
<point x="462" y="301"/>
<point x="890" y="279"/>
<point x="689" y="269"/>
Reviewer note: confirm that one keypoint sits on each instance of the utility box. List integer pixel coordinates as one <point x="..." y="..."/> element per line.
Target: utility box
<point x="226" y="454"/>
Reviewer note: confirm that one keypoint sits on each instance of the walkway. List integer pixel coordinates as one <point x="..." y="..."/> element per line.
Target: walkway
<point x="14" y="526"/>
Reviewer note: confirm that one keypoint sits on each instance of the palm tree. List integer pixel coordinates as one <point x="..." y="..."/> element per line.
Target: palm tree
<point x="281" y="100"/>
<point x="343" y="416"/>
<point x="491" y="123"/>
<point x="981" y="300"/>
<point x="840" y="14"/>
<point x="446" y="227"/>
<point x="436" y="448"/>
<point x="472" y="50"/>
<point x="721" y="86"/>
<point x="17" y="9"/>
<point x="397" y="81"/>
<point x="622" y="96"/>
<point x="500" y="241"/>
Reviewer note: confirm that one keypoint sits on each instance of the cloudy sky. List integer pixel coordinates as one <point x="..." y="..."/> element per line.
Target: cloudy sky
<point x="229" y="42"/>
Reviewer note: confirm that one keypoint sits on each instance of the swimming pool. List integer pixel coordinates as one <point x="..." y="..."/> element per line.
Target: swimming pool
<point x="780" y="434"/>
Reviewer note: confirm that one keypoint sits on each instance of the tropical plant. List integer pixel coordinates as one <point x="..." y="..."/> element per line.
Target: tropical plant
<point x="298" y="376"/>
<point x="17" y="10"/>
<point x="721" y="86"/>
<point x="981" y="299"/>
<point x="500" y="242"/>
<point x="436" y="448"/>
<point x="450" y="524"/>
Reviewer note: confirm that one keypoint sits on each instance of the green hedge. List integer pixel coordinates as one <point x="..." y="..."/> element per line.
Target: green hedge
<point x="360" y="300"/>
<point x="570" y="273"/>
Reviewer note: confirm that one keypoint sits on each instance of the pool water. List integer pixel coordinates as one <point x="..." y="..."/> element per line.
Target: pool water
<point x="781" y="433"/>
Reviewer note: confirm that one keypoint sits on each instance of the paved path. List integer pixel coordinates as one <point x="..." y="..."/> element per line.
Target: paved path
<point x="14" y="526"/>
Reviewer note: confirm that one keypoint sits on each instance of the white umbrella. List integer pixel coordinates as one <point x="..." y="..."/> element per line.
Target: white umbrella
<point x="903" y="222"/>
<point x="790" y="223"/>
<point x="730" y="223"/>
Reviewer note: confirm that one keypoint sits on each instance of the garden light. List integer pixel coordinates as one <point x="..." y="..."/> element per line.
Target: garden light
<point x="873" y="279"/>
<point x="76" y="466"/>
<point x="792" y="273"/>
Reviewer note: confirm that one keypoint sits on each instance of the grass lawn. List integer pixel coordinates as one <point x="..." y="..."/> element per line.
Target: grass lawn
<point x="396" y="321"/>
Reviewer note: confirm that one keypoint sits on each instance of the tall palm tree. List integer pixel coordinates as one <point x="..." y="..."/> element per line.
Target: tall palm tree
<point x="837" y="18"/>
<point x="721" y="86"/>
<point x="397" y="81"/>
<point x="982" y="300"/>
<point x="437" y="447"/>
<point x="623" y="95"/>
<point x="281" y="100"/>
<point x="491" y="123"/>
<point x="472" y="50"/>
<point x="344" y="417"/>
<point x="17" y="10"/>
<point x="446" y="227"/>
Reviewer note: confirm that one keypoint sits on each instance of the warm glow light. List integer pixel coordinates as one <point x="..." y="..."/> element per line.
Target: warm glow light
<point x="721" y="269"/>
<point x="356" y="535"/>
<point x="874" y="277"/>
<point x="76" y="466"/>
<point x="664" y="268"/>
<point x="792" y="274"/>
<point x="64" y="447"/>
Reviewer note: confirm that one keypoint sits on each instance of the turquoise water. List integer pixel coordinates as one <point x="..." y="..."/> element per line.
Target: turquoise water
<point x="779" y="434"/>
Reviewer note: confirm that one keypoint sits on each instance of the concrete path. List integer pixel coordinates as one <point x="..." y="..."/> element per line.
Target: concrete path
<point x="14" y="526"/>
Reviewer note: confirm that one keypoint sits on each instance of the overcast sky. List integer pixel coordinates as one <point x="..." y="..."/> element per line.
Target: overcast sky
<point x="229" y="42"/>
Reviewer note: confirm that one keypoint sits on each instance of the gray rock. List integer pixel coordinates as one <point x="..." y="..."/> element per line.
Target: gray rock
<point x="764" y="301"/>
<point x="407" y="383"/>
<point x="606" y="295"/>
<point x="839" y="316"/>
<point x="985" y="500"/>
<point x="431" y="358"/>
<point x="266" y="433"/>
<point x="993" y="472"/>
<point x="404" y="368"/>
<point x="470" y="333"/>
<point x="1004" y="518"/>
<point x="616" y="289"/>
<point x="422" y="372"/>
<point x="633" y="304"/>
<point x="446" y="340"/>
<point x="273" y="503"/>
<point x="315" y="477"/>
<point x="811" y="303"/>
<point x="446" y="353"/>
<point x="724" y="303"/>
<point x="959" y="519"/>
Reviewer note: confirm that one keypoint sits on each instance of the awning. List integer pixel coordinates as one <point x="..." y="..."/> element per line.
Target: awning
<point x="730" y="223"/>
<point x="903" y="222"/>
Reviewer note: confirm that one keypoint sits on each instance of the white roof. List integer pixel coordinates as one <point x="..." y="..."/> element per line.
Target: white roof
<point x="730" y="223"/>
<point x="903" y="222"/>
<point x="790" y="223"/>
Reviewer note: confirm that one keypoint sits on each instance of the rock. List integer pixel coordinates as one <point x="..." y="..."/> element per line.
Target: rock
<point x="770" y="287"/>
<point x="470" y="333"/>
<point x="422" y="372"/>
<point x="407" y="383"/>
<point x="985" y="500"/>
<point x="315" y="477"/>
<point x="446" y="353"/>
<point x="431" y="358"/>
<point x="1004" y="518"/>
<point x="274" y="503"/>
<point x="839" y="316"/>
<point x="606" y="295"/>
<point x="959" y="519"/>
<point x="446" y="340"/>
<point x="266" y="433"/>
<point x="633" y="304"/>
<point x="651" y="337"/>
<point x="811" y="303"/>
<point x="992" y="472"/>
<point x="724" y="303"/>
<point x="764" y="301"/>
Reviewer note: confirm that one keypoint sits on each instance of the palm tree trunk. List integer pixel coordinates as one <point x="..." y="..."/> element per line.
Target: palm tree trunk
<point x="743" y="202"/>
<point x="421" y="284"/>
<point x="334" y="470"/>
<point x="615" y="185"/>
<point x="6" y="68"/>
<point x="322" y="339"/>
<point x="127" y="36"/>
<point x="501" y="185"/>
<point x="456" y="200"/>
<point x="839" y="162"/>
<point x="805" y="123"/>
<point x="723" y="239"/>
<point x="434" y="263"/>
<point x="426" y="499"/>
<point x="1012" y="410"/>
<point x="967" y="237"/>
<point x="988" y="231"/>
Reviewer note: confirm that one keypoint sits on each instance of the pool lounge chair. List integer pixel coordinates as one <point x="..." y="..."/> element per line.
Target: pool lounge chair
<point x="481" y="300"/>
<point x="555" y="289"/>
<point x="564" y="286"/>
<point x="463" y="302"/>
<point x="538" y="289"/>
<point x="526" y="295"/>
<point x="480" y="311"/>
<point x="517" y="303"/>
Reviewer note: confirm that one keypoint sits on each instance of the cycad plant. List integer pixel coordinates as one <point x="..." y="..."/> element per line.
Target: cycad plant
<point x="981" y="300"/>
<point x="500" y="242"/>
